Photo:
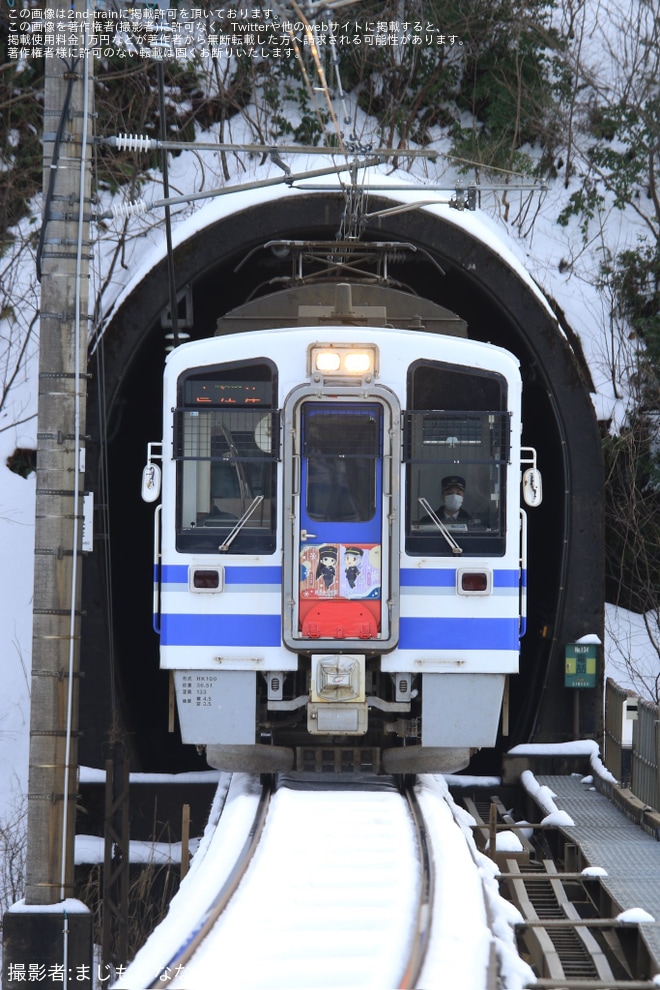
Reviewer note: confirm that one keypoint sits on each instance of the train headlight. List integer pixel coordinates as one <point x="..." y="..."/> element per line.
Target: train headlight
<point x="351" y="360"/>
<point x="358" y="362"/>
<point x="328" y="361"/>
<point x="338" y="678"/>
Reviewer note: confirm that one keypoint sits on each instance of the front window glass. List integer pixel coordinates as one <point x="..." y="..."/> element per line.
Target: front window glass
<point x="456" y="448"/>
<point x="341" y="447"/>
<point x="226" y="442"/>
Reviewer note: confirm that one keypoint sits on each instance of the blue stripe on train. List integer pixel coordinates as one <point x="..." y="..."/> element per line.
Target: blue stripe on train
<point x="265" y="630"/>
<point x="409" y="577"/>
<point x="220" y="630"/>
<point x="178" y="574"/>
<point x="458" y="634"/>
<point x="414" y="577"/>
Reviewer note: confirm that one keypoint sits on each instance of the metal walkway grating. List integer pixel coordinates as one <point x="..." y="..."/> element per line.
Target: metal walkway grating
<point x="608" y="839"/>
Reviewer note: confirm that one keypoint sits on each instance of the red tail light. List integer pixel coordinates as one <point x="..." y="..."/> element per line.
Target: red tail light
<point x="206" y="580"/>
<point x="474" y="582"/>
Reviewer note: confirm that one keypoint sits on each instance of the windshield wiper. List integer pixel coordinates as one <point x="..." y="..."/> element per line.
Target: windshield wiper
<point x="241" y="522"/>
<point x="437" y="521"/>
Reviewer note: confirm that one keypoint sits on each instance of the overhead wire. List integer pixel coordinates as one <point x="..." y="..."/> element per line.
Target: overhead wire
<point x="334" y="60"/>
<point x="355" y="214"/>
<point x="313" y="46"/>
<point x="352" y="222"/>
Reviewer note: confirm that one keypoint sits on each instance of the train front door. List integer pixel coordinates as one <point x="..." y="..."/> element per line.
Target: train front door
<point x="342" y="503"/>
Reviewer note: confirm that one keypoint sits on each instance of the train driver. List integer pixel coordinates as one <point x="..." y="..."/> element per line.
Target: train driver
<point x="453" y="493"/>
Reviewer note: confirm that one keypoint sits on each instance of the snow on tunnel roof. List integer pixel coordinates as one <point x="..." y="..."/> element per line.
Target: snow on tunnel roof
<point x="477" y="224"/>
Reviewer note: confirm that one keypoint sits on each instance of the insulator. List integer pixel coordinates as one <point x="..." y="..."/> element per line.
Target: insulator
<point x="134" y="142"/>
<point x="125" y="210"/>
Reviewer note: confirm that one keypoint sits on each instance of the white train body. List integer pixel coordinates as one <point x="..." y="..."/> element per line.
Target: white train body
<point x="315" y="603"/>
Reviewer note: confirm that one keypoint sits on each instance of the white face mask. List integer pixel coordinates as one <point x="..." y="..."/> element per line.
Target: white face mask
<point x="453" y="502"/>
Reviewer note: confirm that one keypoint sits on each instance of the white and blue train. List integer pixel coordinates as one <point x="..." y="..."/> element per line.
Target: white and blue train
<point x="340" y="563"/>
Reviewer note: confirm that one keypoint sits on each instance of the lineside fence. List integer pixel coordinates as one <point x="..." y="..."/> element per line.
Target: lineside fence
<point x="632" y="743"/>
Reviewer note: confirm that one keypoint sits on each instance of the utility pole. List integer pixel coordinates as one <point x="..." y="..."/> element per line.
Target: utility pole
<point x="50" y="929"/>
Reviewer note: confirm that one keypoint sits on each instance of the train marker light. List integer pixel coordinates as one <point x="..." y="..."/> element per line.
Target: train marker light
<point x="206" y="579"/>
<point x="474" y="582"/>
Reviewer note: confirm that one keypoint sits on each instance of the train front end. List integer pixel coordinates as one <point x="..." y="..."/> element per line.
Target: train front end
<point x="340" y="561"/>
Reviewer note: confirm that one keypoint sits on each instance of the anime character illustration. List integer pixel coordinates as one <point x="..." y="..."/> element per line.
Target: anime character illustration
<point x="326" y="569"/>
<point x="352" y="564"/>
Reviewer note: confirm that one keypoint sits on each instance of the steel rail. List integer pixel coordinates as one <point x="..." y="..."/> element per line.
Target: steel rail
<point x="421" y="936"/>
<point x="194" y="939"/>
<point x="411" y="967"/>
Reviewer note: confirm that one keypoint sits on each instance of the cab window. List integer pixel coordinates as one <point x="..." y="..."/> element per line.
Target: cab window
<point x="226" y="443"/>
<point x="456" y="450"/>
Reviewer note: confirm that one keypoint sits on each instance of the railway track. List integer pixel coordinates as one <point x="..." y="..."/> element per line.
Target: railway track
<point x="187" y="949"/>
<point x="312" y="899"/>
<point x="322" y="879"/>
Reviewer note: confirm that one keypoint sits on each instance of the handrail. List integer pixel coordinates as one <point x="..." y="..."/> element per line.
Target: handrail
<point x="155" y="607"/>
